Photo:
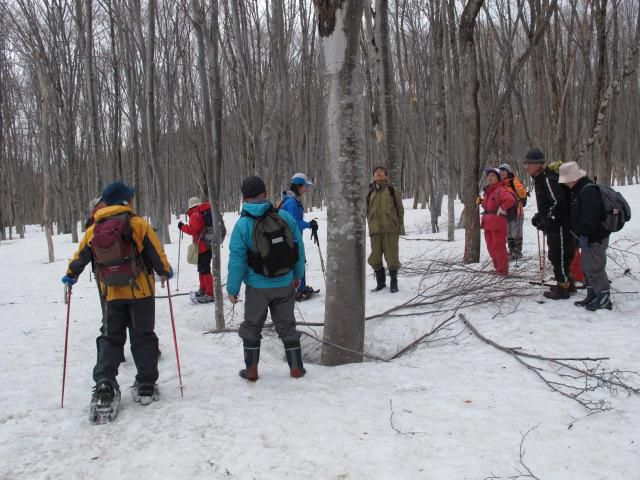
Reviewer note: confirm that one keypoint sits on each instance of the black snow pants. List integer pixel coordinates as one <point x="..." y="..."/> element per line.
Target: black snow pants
<point x="139" y="317"/>
<point x="562" y="249"/>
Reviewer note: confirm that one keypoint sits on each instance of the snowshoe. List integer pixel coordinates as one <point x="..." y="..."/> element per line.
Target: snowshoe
<point x="558" y="292"/>
<point x="200" y="299"/>
<point x="104" y="403"/>
<point x="145" y="393"/>
<point x="306" y="293"/>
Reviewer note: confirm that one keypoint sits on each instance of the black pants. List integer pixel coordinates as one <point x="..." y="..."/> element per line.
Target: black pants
<point x="562" y="248"/>
<point x="204" y="262"/>
<point x="139" y="317"/>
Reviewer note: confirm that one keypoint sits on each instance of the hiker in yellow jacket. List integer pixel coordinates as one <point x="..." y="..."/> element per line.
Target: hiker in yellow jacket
<point x="514" y="233"/>
<point x="125" y="251"/>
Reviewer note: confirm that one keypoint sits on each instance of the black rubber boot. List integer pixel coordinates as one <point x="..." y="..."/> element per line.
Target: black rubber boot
<point x="587" y="300"/>
<point x="511" y="247"/>
<point x="251" y="359"/>
<point x="293" y="351"/>
<point x="393" y="274"/>
<point x="602" y="300"/>
<point x="381" y="279"/>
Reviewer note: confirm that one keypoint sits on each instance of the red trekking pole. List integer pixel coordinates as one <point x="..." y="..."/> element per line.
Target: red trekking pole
<point x="66" y="342"/>
<point x="175" y="339"/>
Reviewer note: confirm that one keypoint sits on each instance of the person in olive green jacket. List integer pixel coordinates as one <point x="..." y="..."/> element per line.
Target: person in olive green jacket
<point x="385" y="216"/>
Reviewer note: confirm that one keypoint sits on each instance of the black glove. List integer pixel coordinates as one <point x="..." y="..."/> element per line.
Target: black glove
<point x="180" y="225"/>
<point x="537" y="221"/>
<point x="314" y="225"/>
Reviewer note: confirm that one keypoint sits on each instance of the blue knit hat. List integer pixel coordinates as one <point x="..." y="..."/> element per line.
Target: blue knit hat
<point x="117" y="193"/>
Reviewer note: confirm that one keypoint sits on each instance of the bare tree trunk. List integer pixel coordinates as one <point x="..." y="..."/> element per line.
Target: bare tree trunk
<point x="339" y="28"/>
<point x="470" y="118"/>
<point x="84" y="19"/>
<point x="212" y="154"/>
<point x="44" y="157"/>
<point x="386" y="76"/>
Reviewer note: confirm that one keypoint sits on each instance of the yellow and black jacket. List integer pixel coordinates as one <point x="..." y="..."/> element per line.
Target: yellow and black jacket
<point x="148" y="245"/>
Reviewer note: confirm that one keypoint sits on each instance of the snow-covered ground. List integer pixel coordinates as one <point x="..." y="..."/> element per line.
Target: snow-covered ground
<point x="460" y="407"/>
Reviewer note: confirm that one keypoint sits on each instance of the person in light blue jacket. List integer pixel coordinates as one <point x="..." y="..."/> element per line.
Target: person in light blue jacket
<point x="292" y="203"/>
<point x="262" y="293"/>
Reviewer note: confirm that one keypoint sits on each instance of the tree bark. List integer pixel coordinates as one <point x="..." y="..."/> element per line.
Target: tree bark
<point x="339" y="27"/>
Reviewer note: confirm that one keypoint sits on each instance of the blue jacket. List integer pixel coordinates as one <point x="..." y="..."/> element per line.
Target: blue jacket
<point x="240" y="247"/>
<point x="292" y="204"/>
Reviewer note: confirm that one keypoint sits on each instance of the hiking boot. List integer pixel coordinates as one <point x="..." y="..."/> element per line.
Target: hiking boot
<point x="199" y="293"/>
<point x="572" y="287"/>
<point x="381" y="280"/>
<point x="558" y="292"/>
<point x="587" y="300"/>
<point x="600" y="301"/>
<point x="145" y="393"/>
<point x="251" y="359"/>
<point x="393" y="274"/>
<point x="293" y="351"/>
<point x="205" y="299"/>
<point x="308" y="290"/>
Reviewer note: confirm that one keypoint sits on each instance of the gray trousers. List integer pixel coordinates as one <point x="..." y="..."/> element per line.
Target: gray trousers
<point x="594" y="265"/>
<point x="515" y="228"/>
<point x="280" y="302"/>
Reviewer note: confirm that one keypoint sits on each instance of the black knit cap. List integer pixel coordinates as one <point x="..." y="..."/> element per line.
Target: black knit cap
<point x="252" y="187"/>
<point x="534" y="155"/>
<point x="380" y="167"/>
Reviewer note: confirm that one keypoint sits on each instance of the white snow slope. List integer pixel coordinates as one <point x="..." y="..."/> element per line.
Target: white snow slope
<point x="459" y="405"/>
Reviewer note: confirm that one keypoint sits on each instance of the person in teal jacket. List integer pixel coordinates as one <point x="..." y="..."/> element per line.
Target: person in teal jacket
<point x="261" y="293"/>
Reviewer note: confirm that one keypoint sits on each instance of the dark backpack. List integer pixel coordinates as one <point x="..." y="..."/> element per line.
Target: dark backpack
<point x="273" y="251"/>
<point x="207" y="236"/>
<point x="115" y="254"/>
<point x="616" y="209"/>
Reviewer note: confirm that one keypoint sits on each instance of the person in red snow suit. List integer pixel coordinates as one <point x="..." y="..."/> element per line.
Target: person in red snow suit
<point x="497" y="200"/>
<point x="196" y="228"/>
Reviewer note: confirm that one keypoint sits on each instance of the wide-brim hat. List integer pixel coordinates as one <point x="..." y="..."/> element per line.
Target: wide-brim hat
<point x="194" y="202"/>
<point x="571" y="172"/>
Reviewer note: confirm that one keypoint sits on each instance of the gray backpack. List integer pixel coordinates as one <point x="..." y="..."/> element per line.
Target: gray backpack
<point x="616" y="209"/>
<point x="273" y="251"/>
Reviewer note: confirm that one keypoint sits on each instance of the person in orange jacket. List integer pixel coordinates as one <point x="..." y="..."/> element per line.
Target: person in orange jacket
<point x="514" y="233"/>
<point x="497" y="200"/>
<point x="196" y="227"/>
<point x="125" y="266"/>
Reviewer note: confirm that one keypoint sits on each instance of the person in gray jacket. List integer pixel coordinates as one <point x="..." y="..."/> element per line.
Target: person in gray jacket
<point x="587" y="213"/>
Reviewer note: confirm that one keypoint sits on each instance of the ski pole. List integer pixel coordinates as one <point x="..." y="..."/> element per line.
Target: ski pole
<point x="178" y="273"/>
<point x="540" y="259"/>
<point x="175" y="339"/>
<point x="314" y="236"/>
<point x="544" y="256"/>
<point x="66" y="343"/>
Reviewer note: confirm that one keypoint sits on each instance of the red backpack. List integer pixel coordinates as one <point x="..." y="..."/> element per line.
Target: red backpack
<point x="115" y="254"/>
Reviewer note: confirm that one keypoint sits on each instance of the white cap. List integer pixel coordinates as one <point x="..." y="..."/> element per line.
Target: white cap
<point x="571" y="172"/>
<point x="194" y="202"/>
<point x="301" y="179"/>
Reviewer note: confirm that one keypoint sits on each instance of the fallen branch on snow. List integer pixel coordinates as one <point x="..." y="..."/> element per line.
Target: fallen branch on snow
<point x="566" y="377"/>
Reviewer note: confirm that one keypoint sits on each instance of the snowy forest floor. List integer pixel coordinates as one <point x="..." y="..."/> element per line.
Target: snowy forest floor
<point x="454" y="408"/>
